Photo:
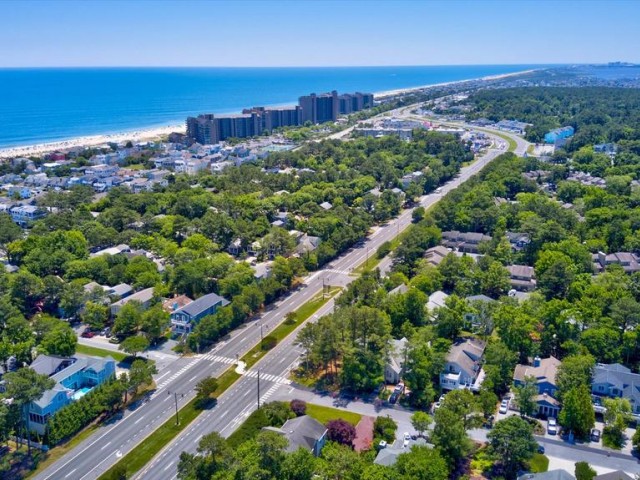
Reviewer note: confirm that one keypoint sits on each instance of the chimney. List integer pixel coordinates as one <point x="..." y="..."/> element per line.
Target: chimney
<point x="536" y="361"/>
<point x="602" y="258"/>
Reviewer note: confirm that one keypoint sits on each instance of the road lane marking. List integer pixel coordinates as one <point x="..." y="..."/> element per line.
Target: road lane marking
<point x="168" y="466"/>
<point x="106" y="445"/>
<point x="136" y="422"/>
<point x="70" y="473"/>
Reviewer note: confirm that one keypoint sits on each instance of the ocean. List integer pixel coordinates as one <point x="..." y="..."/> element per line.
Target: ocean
<point x="53" y="104"/>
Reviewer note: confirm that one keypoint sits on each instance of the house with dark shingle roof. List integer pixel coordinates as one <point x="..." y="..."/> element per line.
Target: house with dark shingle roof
<point x="558" y="474"/>
<point x="186" y="317"/>
<point x="303" y="432"/>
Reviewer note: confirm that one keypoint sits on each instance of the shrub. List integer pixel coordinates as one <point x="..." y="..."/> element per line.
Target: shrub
<point x="385" y="427"/>
<point x="383" y="250"/>
<point x="341" y="431"/>
<point x="268" y="343"/>
<point x="299" y="407"/>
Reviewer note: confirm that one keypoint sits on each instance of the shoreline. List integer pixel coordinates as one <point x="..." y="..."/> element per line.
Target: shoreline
<point x="144" y="134"/>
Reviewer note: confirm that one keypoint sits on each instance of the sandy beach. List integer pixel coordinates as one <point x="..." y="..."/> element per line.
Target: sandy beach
<point x="154" y="133"/>
<point x="90" y="141"/>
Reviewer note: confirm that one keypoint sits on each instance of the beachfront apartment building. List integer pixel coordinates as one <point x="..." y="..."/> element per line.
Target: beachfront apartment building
<point x="320" y="108"/>
<point x="74" y="377"/>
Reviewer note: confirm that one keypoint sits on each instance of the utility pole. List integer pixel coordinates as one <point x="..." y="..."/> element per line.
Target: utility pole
<point x="258" y="389"/>
<point x="261" y="336"/>
<point x="323" y="288"/>
<point x="175" y="399"/>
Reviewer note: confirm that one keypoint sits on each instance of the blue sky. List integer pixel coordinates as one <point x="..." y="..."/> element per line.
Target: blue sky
<point x="316" y="33"/>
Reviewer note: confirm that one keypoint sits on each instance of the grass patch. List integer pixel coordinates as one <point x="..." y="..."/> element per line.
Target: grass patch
<point x="326" y="414"/>
<point x="225" y="380"/>
<point x="100" y="352"/>
<point x="373" y="260"/>
<point x="530" y="149"/>
<point x="249" y="428"/>
<point x="285" y="328"/>
<point x="539" y="463"/>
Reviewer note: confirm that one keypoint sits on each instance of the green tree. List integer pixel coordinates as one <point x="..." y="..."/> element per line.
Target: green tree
<point x="61" y="340"/>
<point x="26" y="386"/>
<point x="134" y="345"/>
<point x="465" y="406"/>
<point x="128" y="318"/>
<point x="577" y="413"/>
<point x="299" y="465"/>
<point x="499" y="364"/>
<point x="574" y="371"/>
<point x="95" y="315"/>
<point x="526" y="396"/>
<point x="422" y="463"/>
<point x="421" y="421"/>
<point x="153" y="323"/>
<point x="205" y="389"/>
<point x="9" y="230"/>
<point x="140" y="373"/>
<point x="583" y="470"/>
<point x="487" y="401"/>
<point x="449" y="436"/>
<point x="512" y="443"/>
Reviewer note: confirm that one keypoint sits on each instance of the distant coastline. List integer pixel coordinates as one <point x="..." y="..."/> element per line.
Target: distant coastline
<point x="153" y="133"/>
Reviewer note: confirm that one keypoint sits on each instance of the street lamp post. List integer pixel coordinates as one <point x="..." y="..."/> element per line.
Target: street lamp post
<point x="175" y="398"/>
<point x="258" y="389"/>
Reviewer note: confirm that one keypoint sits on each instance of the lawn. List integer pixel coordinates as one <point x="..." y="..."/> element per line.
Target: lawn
<point x="326" y="414"/>
<point x="285" y="328"/>
<point x="539" y="463"/>
<point x="100" y="352"/>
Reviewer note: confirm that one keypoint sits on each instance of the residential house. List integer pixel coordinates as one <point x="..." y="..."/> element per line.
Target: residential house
<point x="629" y="261"/>
<point x="389" y="455"/>
<point x="615" y="475"/>
<point x="436" y="300"/>
<point x="25" y="215"/>
<point x="395" y="361"/>
<point x="400" y="289"/>
<point x="435" y="255"/>
<point x="185" y="318"/>
<point x="557" y="474"/>
<point x="481" y="306"/>
<point x="326" y="206"/>
<point x="144" y="297"/>
<point x="518" y="241"/>
<point x="559" y="136"/>
<point x="122" y="248"/>
<point x="467" y="242"/>
<point x="122" y="290"/>
<point x="615" y="380"/>
<point x="74" y="378"/>
<point x="307" y="244"/>
<point x="522" y="277"/>
<point x="303" y="432"/>
<point x="235" y="248"/>
<point x="462" y="367"/>
<point x="544" y="370"/>
<point x="170" y="305"/>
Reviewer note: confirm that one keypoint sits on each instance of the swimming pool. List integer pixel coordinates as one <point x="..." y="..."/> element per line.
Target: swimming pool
<point x="78" y="394"/>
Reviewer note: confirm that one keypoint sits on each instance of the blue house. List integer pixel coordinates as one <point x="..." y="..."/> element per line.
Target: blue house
<point x="184" y="318"/>
<point x="544" y="371"/>
<point x="559" y="136"/>
<point x="74" y="377"/>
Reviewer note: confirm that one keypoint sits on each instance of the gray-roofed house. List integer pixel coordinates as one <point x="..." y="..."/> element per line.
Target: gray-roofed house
<point x="436" y="300"/>
<point x="462" y="367"/>
<point x="544" y="370"/>
<point x="143" y="297"/>
<point x="389" y="455"/>
<point x="615" y="475"/>
<point x="628" y="261"/>
<point x="518" y="240"/>
<point x="558" y="474"/>
<point x="467" y="242"/>
<point x="121" y="290"/>
<point x="522" y="277"/>
<point x="185" y="318"/>
<point x="307" y="243"/>
<point x="74" y="378"/>
<point x="400" y="289"/>
<point x="435" y="255"/>
<point x="615" y="380"/>
<point x="303" y="432"/>
<point x="395" y="362"/>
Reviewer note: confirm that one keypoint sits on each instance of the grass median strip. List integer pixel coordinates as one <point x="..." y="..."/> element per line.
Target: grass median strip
<point x="283" y="330"/>
<point x="100" y="352"/>
<point x="137" y="458"/>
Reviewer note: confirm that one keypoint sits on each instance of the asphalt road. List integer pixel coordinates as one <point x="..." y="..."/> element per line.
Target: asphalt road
<point x="236" y="404"/>
<point x="110" y="442"/>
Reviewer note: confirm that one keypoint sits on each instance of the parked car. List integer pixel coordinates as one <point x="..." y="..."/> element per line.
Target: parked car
<point x="115" y="339"/>
<point x="394" y="397"/>
<point x="552" y="426"/>
<point x="541" y="449"/>
<point x="399" y="389"/>
<point x="88" y="334"/>
<point x="595" y="435"/>
<point x="504" y="406"/>
<point x="406" y="438"/>
<point x="105" y="331"/>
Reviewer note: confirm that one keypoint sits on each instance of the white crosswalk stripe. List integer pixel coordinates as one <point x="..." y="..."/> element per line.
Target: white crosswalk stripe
<point x="177" y="374"/>
<point x="340" y="272"/>
<point x="268" y="377"/>
<point x="217" y="358"/>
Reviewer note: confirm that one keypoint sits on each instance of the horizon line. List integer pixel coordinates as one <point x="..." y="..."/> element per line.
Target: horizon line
<point x="310" y="66"/>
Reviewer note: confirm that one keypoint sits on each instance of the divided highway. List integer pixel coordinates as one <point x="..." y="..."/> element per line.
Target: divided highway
<point x="110" y="442"/>
<point x="237" y="403"/>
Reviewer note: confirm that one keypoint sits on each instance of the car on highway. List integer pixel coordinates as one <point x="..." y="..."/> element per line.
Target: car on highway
<point x="504" y="406"/>
<point x="406" y="438"/>
<point x="552" y="426"/>
<point x="595" y="435"/>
